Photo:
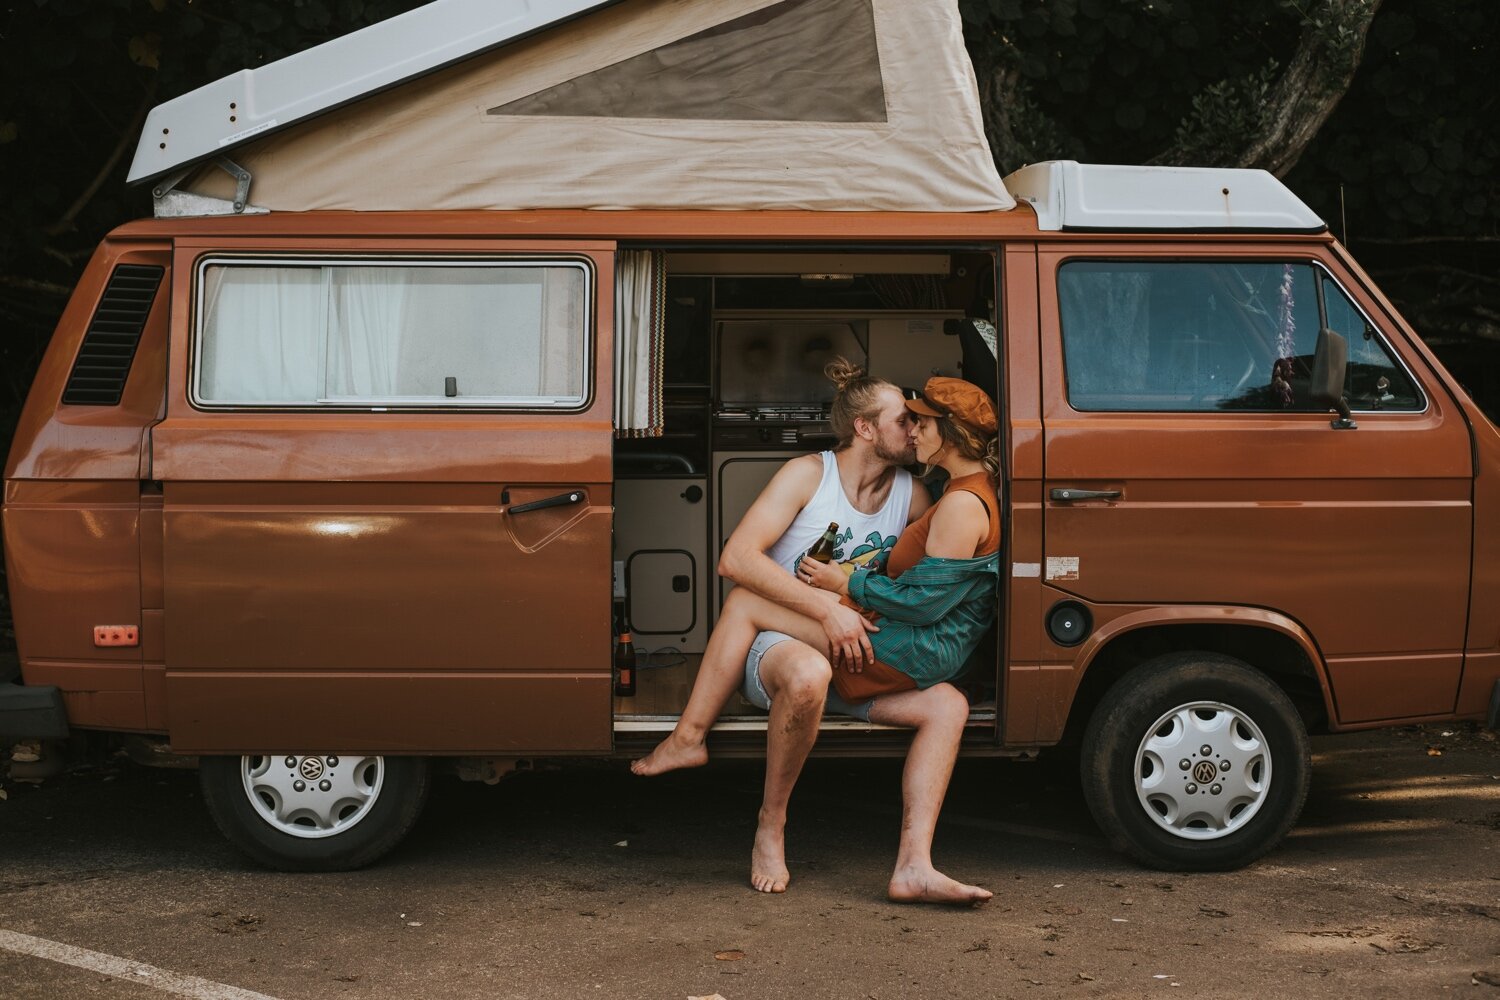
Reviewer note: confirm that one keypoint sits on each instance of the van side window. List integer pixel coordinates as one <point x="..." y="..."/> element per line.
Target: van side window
<point x="407" y="333"/>
<point x="1374" y="381"/>
<point x="1180" y="336"/>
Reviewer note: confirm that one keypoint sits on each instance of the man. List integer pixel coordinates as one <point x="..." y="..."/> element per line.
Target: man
<point x="861" y="485"/>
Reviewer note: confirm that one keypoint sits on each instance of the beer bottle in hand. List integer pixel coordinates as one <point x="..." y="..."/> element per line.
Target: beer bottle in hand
<point x="823" y="551"/>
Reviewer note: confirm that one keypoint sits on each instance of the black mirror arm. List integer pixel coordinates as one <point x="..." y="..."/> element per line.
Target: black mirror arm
<point x="1345" y="421"/>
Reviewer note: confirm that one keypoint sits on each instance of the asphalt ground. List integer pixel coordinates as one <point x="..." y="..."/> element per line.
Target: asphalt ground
<point x="587" y="882"/>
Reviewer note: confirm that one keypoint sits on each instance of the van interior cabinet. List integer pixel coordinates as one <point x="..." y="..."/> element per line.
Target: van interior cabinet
<point x="661" y="543"/>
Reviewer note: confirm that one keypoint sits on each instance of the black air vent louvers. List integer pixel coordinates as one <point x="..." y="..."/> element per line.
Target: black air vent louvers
<point x="103" y="362"/>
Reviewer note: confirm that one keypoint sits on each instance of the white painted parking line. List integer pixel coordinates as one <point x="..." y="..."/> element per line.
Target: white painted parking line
<point x="124" y="968"/>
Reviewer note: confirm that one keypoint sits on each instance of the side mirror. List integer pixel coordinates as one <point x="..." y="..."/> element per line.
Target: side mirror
<point x="1330" y="361"/>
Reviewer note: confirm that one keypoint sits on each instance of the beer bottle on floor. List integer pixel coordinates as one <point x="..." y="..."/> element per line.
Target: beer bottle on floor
<point x="624" y="660"/>
<point x="823" y="551"/>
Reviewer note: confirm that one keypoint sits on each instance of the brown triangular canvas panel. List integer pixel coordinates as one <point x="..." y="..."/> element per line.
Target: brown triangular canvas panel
<point x="798" y="60"/>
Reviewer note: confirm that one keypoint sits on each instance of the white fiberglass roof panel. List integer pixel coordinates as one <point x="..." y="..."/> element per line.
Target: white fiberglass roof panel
<point x="232" y="110"/>
<point x="1090" y="196"/>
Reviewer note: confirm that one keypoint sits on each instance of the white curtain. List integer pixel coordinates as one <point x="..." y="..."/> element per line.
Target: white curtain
<point x="262" y="334"/>
<point x="286" y="334"/>
<point x="640" y="294"/>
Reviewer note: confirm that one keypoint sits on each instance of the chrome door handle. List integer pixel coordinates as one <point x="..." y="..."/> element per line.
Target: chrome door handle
<point x="1067" y="494"/>
<point x="557" y="501"/>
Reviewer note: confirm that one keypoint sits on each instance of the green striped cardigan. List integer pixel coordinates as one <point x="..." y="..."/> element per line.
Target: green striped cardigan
<point x="932" y="616"/>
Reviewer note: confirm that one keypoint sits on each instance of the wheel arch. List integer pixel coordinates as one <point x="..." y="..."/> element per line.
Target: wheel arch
<point x="1267" y="641"/>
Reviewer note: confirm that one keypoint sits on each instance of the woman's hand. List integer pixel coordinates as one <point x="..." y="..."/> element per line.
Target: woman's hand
<point x="825" y="576"/>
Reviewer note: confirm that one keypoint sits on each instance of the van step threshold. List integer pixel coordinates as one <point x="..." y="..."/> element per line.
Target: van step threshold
<point x="758" y="724"/>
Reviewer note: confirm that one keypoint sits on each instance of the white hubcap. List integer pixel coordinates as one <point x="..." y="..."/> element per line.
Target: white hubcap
<point x="312" y="797"/>
<point x="1203" y="770"/>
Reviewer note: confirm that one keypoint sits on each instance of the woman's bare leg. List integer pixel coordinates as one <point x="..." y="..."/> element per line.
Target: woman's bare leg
<point x="744" y="616"/>
<point x="939" y="714"/>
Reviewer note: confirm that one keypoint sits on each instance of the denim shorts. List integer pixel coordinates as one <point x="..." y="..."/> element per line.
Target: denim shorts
<point x="755" y="692"/>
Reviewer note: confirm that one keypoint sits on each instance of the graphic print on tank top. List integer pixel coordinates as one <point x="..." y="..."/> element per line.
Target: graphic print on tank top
<point x="863" y="539"/>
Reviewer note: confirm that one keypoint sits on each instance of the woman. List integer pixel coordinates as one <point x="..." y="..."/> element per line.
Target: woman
<point x="933" y="610"/>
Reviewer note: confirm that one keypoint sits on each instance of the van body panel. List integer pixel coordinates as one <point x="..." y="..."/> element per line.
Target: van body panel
<point x="1022" y="451"/>
<point x="1361" y="536"/>
<point x="1482" y="657"/>
<point x="1060" y="681"/>
<point x="504" y="712"/>
<point x="74" y="443"/>
<point x="326" y="573"/>
<point x="72" y="497"/>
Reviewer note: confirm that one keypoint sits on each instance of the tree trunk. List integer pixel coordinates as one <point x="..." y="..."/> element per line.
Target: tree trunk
<point x="1316" y="79"/>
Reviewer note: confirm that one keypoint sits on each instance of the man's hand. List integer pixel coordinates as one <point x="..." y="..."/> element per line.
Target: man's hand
<point x="848" y="643"/>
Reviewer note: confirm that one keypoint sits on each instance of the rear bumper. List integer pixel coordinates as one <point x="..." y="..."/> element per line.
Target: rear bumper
<point x="32" y="713"/>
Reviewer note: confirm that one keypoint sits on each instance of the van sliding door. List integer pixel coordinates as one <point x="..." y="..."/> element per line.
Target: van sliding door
<point x="387" y="497"/>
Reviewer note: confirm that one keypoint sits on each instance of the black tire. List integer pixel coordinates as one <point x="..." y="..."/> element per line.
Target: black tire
<point x="365" y="832"/>
<point x="1151" y="815"/>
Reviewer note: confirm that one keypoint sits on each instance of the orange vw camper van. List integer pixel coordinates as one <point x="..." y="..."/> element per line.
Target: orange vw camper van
<point x="338" y="467"/>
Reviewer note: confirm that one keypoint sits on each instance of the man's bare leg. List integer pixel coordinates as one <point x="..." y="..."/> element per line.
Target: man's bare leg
<point x="939" y="714"/>
<point x="719" y="674"/>
<point x="743" y="617"/>
<point x="796" y="677"/>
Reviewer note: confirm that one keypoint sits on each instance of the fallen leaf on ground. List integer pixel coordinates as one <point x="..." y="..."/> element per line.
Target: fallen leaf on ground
<point x="1487" y="978"/>
<point x="711" y="996"/>
<point x="1085" y="975"/>
<point x="732" y="955"/>
<point x="1434" y="751"/>
<point x="4" y="795"/>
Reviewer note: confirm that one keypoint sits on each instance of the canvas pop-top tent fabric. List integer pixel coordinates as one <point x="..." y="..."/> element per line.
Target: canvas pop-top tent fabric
<point x="831" y="105"/>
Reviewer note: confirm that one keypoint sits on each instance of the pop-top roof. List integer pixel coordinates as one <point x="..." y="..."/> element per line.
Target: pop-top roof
<point x="1093" y="197"/>
<point x="523" y="104"/>
<point x="229" y="112"/>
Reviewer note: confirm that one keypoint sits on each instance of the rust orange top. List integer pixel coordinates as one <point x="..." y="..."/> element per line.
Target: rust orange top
<point x="912" y="545"/>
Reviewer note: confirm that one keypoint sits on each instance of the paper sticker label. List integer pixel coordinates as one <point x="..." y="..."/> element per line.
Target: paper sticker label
<point x="1062" y="567"/>
<point x="1026" y="571"/>
<point x="247" y="133"/>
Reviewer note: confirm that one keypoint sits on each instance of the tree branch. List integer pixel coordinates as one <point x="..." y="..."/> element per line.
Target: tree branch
<point x="126" y="137"/>
<point x="33" y="285"/>
<point x="1266" y="123"/>
<point x="1316" y="79"/>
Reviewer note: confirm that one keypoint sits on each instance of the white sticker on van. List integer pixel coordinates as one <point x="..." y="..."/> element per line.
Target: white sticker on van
<point x="1026" y="571"/>
<point x="1062" y="567"/>
<point x="229" y="140"/>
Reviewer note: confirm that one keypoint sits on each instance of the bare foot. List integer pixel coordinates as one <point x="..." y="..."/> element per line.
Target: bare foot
<point x="928" y="885"/>
<point x="671" y="754"/>
<point x="768" y="860"/>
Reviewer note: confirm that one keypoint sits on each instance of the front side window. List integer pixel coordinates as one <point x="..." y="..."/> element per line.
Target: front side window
<point x="1179" y="336"/>
<point x="408" y="333"/>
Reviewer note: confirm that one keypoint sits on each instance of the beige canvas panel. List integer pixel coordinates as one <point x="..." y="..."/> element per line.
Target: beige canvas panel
<point x="431" y="144"/>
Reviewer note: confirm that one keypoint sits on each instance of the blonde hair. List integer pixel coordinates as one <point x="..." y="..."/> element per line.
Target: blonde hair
<point x="855" y="395"/>
<point x="971" y="445"/>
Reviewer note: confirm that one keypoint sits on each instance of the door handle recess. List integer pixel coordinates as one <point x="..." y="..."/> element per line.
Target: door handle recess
<point x="1068" y="494"/>
<point x="562" y="499"/>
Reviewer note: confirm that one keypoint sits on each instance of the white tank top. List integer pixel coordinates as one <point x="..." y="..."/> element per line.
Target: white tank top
<point x="864" y="539"/>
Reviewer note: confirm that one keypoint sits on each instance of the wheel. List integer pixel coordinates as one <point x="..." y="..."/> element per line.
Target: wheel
<point x="308" y="813"/>
<point x="1195" y="762"/>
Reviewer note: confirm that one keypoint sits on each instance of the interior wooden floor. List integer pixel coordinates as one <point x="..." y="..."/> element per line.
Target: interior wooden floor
<point x="662" y="691"/>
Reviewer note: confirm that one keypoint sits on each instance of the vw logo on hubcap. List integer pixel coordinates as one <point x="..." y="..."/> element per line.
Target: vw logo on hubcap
<point x="311" y="768"/>
<point x="1204" y="771"/>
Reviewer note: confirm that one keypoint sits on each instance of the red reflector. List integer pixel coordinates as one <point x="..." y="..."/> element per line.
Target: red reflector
<point x="117" y="635"/>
